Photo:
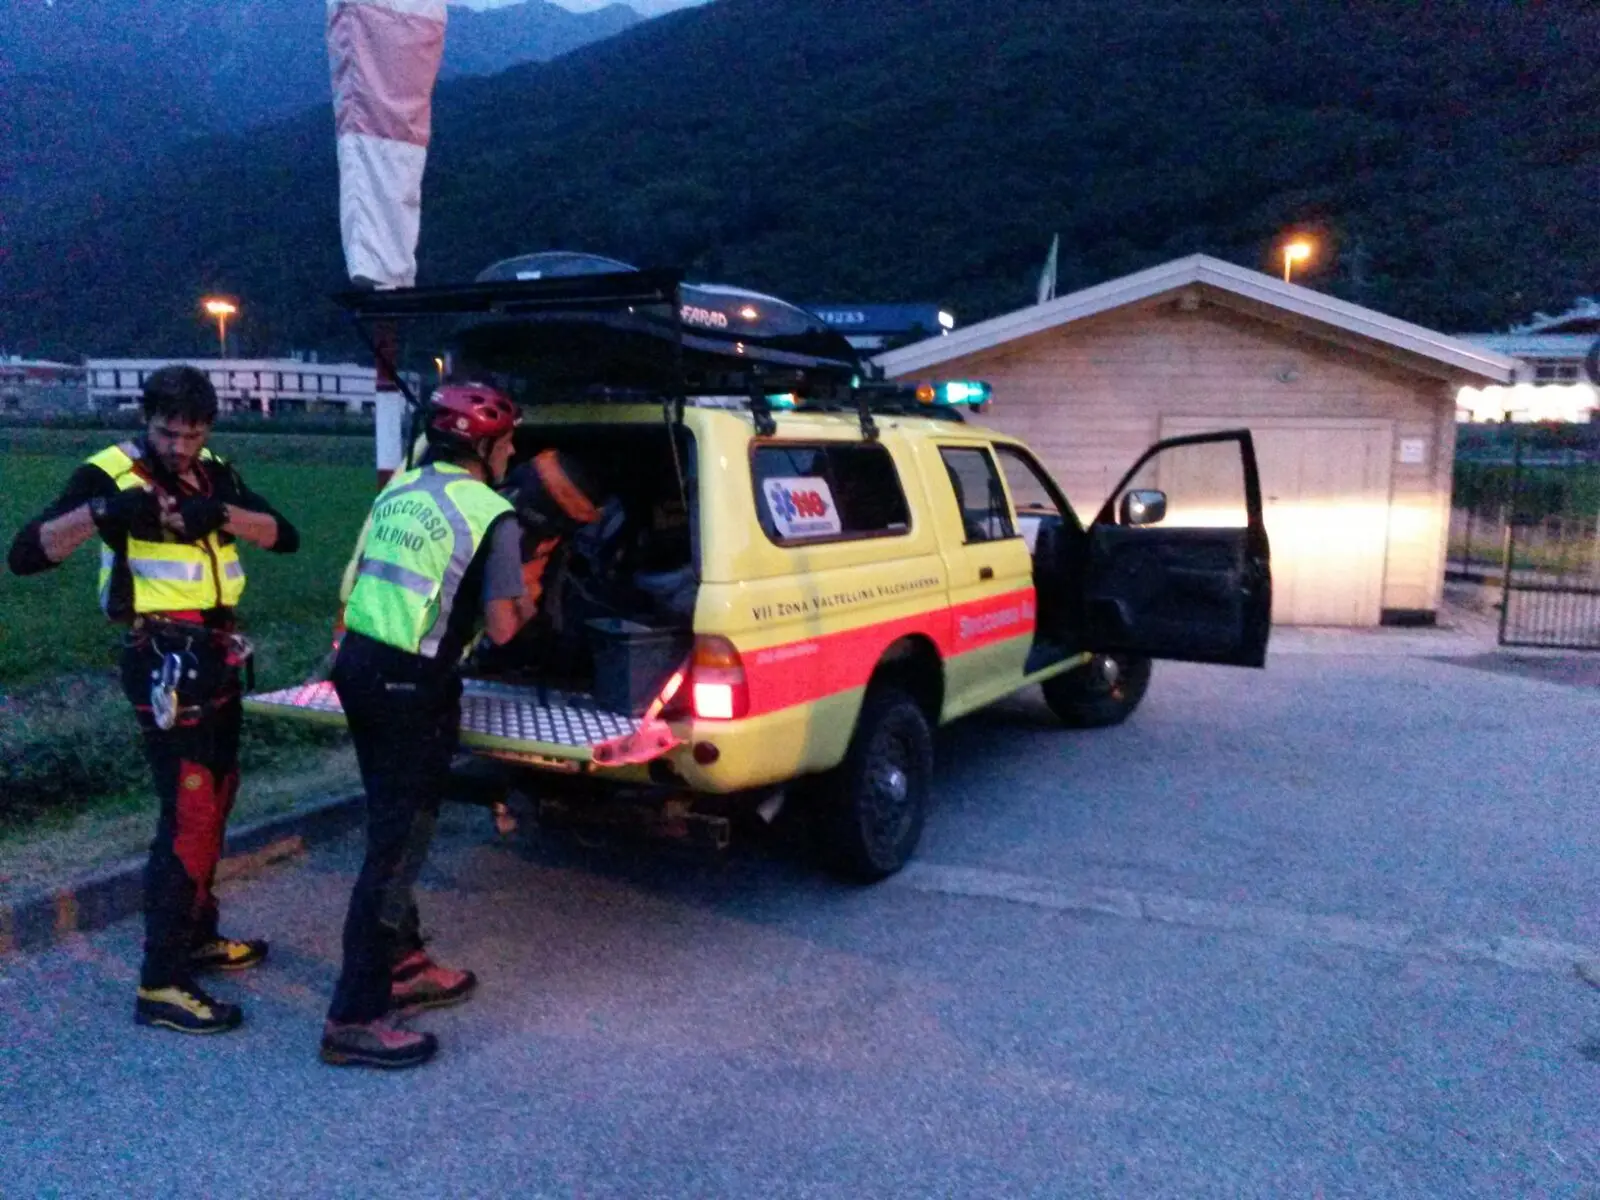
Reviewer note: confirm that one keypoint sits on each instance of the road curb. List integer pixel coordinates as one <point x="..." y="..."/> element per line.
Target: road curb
<point x="45" y="919"/>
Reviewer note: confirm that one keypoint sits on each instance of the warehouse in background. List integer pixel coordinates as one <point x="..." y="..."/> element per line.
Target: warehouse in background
<point x="1353" y="414"/>
<point x="39" y="386"/>
<point x="298" y="384"/>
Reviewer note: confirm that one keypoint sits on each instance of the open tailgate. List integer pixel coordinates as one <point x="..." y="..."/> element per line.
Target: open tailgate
<point x="520" y="722"/>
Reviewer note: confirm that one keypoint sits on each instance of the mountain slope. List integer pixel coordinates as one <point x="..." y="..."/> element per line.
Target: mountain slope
<point x="919" y="149"/>
<point x="486" y="43"/>
<point x="93" y="86"/>
<point x="252" y="60"/>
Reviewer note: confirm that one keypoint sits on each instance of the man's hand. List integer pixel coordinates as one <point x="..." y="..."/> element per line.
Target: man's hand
<point x="200" y="516"/>
<point x="258" y="528"/>
<point x="132" y="510"/>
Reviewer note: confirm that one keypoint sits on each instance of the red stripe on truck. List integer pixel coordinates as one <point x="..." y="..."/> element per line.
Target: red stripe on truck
<point x="810" y="669"/>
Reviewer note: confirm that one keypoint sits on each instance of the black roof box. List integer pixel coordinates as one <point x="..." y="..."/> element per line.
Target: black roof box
<point x="725" y="329"/>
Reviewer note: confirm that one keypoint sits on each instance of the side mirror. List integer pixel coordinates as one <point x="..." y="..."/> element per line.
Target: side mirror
<point x="1143" y="508"/>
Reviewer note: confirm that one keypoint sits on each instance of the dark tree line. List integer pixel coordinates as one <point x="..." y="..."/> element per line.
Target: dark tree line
<point x="1447" y="156"/>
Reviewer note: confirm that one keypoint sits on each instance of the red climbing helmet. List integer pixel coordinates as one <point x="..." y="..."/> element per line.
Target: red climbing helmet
<point x="472" y="411"/>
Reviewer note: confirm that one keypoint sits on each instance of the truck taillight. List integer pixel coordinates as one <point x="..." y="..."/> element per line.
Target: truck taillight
<point x="717" y="681"/>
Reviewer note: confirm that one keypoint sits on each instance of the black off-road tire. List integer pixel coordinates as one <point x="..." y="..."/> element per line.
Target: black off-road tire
<point x="1084" y="698"/>
<point x="874" y="804"/>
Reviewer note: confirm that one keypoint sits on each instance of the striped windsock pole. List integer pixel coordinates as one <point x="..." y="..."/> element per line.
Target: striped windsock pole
<point x="384" y="57"/>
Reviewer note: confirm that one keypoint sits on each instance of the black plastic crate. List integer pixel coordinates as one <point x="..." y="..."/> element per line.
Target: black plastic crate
<point x="632" y="662"/>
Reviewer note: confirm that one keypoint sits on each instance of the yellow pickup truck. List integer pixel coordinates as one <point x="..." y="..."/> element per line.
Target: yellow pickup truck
<point x="802" y="571"/>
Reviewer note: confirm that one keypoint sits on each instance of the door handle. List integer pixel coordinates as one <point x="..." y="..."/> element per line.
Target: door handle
<point x="985" y="572"/>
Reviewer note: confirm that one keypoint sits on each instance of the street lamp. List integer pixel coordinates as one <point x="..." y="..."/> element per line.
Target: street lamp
<point x="1296" y="251"/>
<point x="221" y="309"/>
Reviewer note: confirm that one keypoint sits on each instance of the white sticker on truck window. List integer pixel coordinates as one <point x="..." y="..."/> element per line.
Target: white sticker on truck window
<point x="801" y="506"/>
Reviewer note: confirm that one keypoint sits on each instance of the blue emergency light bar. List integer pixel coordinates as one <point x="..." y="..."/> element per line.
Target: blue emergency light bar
<point x="952" y="393"/>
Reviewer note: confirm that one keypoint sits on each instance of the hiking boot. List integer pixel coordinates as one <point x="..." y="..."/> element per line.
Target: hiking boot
<point x="187" y="1009"/>
<point x="227" y="954"/>
<point x="375" y="1044"/>
<point x="419" y="983"/>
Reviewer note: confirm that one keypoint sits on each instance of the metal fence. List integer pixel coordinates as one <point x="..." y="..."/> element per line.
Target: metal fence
<point x="1527" y="517"/>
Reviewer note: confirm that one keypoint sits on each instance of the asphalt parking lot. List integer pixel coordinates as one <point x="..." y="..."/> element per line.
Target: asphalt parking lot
<point x="1306" y="931"/>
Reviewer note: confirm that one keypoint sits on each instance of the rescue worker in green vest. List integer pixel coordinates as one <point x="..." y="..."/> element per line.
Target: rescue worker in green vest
<point x="440" y="550"/>
<point x="170" y="515"/>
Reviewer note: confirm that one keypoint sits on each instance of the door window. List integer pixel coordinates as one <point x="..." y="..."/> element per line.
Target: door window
<point x="985" y="513"/>
<point x="1203" y="483"/>
<point x="1036" y="498"/>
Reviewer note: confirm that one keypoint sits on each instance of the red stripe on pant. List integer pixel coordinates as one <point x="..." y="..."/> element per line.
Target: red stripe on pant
<point x="203" y="807"/>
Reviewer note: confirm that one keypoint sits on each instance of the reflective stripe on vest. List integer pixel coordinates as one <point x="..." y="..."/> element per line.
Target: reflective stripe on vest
<point x="421" y="537"/>
<point x="177" y="572"/>
<point x="398" y="575"/>
<point x="168" y="575"/>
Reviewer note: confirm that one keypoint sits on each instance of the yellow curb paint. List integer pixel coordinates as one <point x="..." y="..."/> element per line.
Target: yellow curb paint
<point x="240" y="866"/>
<point x="66" y="912"/>
<point x="283" y="848"/>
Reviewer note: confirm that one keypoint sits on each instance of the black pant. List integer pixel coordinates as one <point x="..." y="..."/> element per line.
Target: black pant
<point x="404" y="717"/>
<point x="195" y="769"/>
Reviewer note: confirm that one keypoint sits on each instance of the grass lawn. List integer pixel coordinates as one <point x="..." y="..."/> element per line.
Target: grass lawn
<point x="68" y="844"/>
<point x="50" y="624"/>
<point x="68" y="745"/>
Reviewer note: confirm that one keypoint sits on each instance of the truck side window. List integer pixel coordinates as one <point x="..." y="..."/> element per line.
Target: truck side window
<point x="827" y="492"/>
<point x="985" y="512"/>
<point x="1038" y="500"/>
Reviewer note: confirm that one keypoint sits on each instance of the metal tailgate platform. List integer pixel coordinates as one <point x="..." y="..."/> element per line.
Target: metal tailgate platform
<point x="520" y="722"/>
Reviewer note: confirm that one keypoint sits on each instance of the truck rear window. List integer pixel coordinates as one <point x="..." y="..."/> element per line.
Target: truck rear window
<point x="824" y="492"/>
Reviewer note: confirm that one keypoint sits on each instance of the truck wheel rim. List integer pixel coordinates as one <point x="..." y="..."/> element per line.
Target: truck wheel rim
<point x="889" y="806"/>
<point x="1105" y="677"/>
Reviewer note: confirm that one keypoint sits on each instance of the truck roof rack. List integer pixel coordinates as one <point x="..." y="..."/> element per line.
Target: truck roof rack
<point x="649" y="334"/>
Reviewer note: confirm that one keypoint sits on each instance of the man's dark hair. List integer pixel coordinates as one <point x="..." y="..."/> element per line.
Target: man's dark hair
<point x="444" y="446"/>
<point x="181" y="392"/>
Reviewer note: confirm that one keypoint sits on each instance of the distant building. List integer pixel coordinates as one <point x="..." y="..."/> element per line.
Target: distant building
<point x="32" y="385"/>
<point x="877" y="327"/>
<point x="1550" y="382"/>
<point x="265" y="385"/>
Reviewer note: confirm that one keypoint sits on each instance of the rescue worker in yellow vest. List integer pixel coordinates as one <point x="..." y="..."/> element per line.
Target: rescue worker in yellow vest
<point x="440" y="549"/>
<point x="170" y="515"/>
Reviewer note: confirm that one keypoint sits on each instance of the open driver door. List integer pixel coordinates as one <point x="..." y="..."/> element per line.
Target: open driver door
<point x="1177" y="564"/>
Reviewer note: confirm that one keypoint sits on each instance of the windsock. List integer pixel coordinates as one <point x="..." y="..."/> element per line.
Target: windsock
<point x="384" y="57"/>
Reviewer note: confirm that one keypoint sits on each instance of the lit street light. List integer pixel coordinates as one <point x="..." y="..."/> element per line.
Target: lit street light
<point x="1296" y="251"/>
<point x="221" y="310"/>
